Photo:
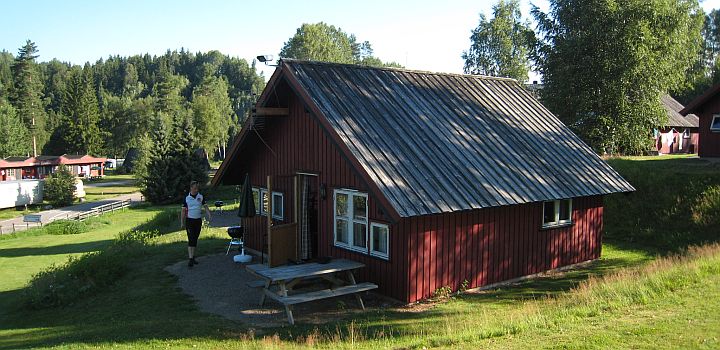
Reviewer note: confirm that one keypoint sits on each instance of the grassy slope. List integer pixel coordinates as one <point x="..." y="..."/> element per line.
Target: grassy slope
<point x="675" y="303"/>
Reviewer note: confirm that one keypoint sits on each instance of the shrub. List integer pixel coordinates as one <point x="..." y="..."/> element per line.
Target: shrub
<point x="61" y="285"/>
<point x="60" y="187"/>
<point x="706" y="210"/>
<point x="65" y="227"/>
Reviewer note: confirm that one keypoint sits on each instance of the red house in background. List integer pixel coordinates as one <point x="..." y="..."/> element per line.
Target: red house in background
<point x="707" y="108"/>
<point x="680" y="133"/>
<point x="18" y="168"/>
<point x="428" y="179"/>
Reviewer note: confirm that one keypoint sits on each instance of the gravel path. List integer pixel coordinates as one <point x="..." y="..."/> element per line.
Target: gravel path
<point x="218" y="286"/>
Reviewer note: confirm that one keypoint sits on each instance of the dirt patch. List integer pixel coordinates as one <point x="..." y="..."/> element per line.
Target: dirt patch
<point x="219" y="286"/>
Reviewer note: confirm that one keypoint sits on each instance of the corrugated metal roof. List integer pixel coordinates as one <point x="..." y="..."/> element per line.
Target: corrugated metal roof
<point x="436" y="143"/>
<point x="675" y="119"/>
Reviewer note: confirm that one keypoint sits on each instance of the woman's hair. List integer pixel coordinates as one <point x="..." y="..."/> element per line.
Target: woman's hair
<point x="194" y="183"/>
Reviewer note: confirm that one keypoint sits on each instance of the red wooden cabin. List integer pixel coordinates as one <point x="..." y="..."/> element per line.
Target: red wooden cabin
<point x="428" y="179"/>
<point x="707" y="108"/>
<point x="680" y="134"/>
<point x="18" y="168"/>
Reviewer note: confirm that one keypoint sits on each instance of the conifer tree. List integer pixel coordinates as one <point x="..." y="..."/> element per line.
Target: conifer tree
<point x="27" y="94"/>
<point x="13" y="133"/>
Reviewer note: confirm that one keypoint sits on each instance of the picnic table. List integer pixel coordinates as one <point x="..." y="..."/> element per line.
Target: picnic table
<point x="286" y="277"/>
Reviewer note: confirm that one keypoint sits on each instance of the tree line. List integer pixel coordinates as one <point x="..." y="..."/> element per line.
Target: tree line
<point x="110" y="106"/>
<point x="604" y="64"/>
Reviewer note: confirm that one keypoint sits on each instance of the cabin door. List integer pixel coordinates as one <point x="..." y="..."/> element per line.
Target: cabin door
<point x="306" y="214"/>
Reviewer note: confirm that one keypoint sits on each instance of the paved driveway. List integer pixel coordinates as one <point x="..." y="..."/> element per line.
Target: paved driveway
<point x="47" y="216"/>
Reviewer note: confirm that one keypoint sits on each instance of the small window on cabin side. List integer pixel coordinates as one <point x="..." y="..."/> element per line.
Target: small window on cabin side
<point x="277" y="205"/>
<point x="557" y="213"/>
<point x="379" y="240"/>
<point x="256" y="199"/>
<point x="715" y="124"/>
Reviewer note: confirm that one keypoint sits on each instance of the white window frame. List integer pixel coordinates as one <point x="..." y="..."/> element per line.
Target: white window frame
<point x="716" y="117"/>
<point x="351" y="220"/>
<point x="373" y="251"/>
<point x="258" y="208"/>
<point x="275" y="205"/>
<point x="556" y="208"/>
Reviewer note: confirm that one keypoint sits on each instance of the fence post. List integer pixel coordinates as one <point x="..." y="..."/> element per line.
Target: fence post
<point x="13" y="227"/>
<point x="1" y="230"/>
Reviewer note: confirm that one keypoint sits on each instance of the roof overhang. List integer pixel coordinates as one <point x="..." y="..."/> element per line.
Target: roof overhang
<point x="284" y="73"/>
<point x="699" y="101"/>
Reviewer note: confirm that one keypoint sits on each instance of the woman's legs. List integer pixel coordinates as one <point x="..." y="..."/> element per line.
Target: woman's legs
<point x="193" y="227"/>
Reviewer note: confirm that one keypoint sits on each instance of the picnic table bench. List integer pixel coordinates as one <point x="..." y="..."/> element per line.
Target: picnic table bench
<point x="286" y="277"/>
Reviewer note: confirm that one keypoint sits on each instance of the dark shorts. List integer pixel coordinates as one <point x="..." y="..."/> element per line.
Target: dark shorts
<point x="193" y="226"/>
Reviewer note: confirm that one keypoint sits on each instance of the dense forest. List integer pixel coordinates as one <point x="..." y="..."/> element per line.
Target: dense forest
<point x="112" y="105"/>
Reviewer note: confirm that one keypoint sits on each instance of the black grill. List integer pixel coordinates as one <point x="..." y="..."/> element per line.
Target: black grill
<point x="235" y="231"/>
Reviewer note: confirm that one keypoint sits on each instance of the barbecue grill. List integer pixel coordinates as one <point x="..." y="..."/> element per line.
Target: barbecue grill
<point x="237" y="234"/>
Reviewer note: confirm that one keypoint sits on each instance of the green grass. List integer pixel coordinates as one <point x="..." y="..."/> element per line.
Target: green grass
<point x="9" y="213"/>
<point x="629" y="298"/>
<point x="93" y="194"/>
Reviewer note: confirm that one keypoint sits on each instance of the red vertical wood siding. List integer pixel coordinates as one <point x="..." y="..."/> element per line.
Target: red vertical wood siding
<point x="491" y="245"/>
<point x="709" y="143"/>
<point x="299" y="143"/>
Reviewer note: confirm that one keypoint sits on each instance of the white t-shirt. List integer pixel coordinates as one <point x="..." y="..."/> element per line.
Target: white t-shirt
<point x="194" y="205"/>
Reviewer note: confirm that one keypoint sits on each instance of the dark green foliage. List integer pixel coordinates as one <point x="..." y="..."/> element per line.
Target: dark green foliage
<point x="78" y="130"/>
<point x="500" y="46"/>
<point x="60" y="187"/>
<point x="66" y="227"/>
<point x="324" y="42"/>
<point x="171" y="163"/>
<point x="105" y="108"/>
<point x="605" y="65"/>
<point x="27" y="94"/>
<point x="676" y="204"/>
<point x="13" y="133"/>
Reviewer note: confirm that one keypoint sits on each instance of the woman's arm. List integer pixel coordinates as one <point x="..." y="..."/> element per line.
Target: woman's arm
<point x="183" y="215"/>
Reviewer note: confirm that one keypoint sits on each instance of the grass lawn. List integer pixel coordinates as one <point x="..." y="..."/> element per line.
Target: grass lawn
<point x="633" y="298"/>
<point x="9" y="213"/>
<point x="93" y="194"/>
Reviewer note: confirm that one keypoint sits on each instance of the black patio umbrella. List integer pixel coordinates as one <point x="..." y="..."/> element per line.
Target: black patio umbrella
<point x="246" y="210"/>
<point x="247" y="203"/>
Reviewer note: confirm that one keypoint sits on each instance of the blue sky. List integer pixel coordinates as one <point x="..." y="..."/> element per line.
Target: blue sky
<point x="420" y="34"/>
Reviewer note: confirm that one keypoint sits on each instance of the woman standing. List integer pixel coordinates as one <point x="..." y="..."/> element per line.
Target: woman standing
<point x="191" y="218"/>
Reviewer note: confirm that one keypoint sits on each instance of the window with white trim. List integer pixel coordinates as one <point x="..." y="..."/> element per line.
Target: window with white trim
<point x="557" y="213"/>
<point x="379" y="240"/>
<point x="256" y="200"/>
<point x="351" y="219"/>
<point x="277" y="205"/>
<point x="715" y="123"/>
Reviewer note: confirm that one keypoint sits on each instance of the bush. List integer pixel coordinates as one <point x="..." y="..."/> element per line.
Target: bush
<point x="706" y="210"/>
<point x="61" y="285"/>
<point x="60" y="187"/>
<point x="65" y="227"/>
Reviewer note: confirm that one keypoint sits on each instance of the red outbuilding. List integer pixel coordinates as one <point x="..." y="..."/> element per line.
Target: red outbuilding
<point x="429" y="179"/>
<point x="680" y="134"/>
<point x="18" y="168"/>
<point x="707" y="108"/>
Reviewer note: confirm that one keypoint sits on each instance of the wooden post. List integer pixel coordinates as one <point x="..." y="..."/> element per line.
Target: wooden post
<point x="295" y="217"/>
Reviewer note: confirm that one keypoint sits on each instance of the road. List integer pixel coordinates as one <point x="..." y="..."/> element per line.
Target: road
<point x="47" y="216"/>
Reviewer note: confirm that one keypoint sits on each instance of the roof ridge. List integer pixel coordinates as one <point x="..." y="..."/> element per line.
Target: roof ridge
<point x="415" y="71"/>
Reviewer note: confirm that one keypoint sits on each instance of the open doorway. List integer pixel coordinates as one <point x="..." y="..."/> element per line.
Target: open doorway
<point x="307" y="215"/>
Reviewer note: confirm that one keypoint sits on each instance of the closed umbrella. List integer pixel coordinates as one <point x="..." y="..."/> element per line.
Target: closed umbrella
<point x="246" y="210"/>
<point x="247" y="202"/>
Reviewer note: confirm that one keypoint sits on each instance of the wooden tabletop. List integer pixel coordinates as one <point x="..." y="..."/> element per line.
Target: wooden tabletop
<point x="284" y="273"/>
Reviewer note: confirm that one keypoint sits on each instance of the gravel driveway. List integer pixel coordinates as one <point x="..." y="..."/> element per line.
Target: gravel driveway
<point x="218" y="285"/>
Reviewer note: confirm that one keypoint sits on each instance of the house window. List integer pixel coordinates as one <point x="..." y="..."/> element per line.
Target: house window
<point x="715" y="124"/>
<point x="256" y="200"/>
<point x="351" y="220"/>
<point x="557" y="213"/>
<point x="379" y="240"/>
<point x="277" y="205"/>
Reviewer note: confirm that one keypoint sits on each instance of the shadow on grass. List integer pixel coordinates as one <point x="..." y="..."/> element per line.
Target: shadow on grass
<point x="54" y="250"/>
